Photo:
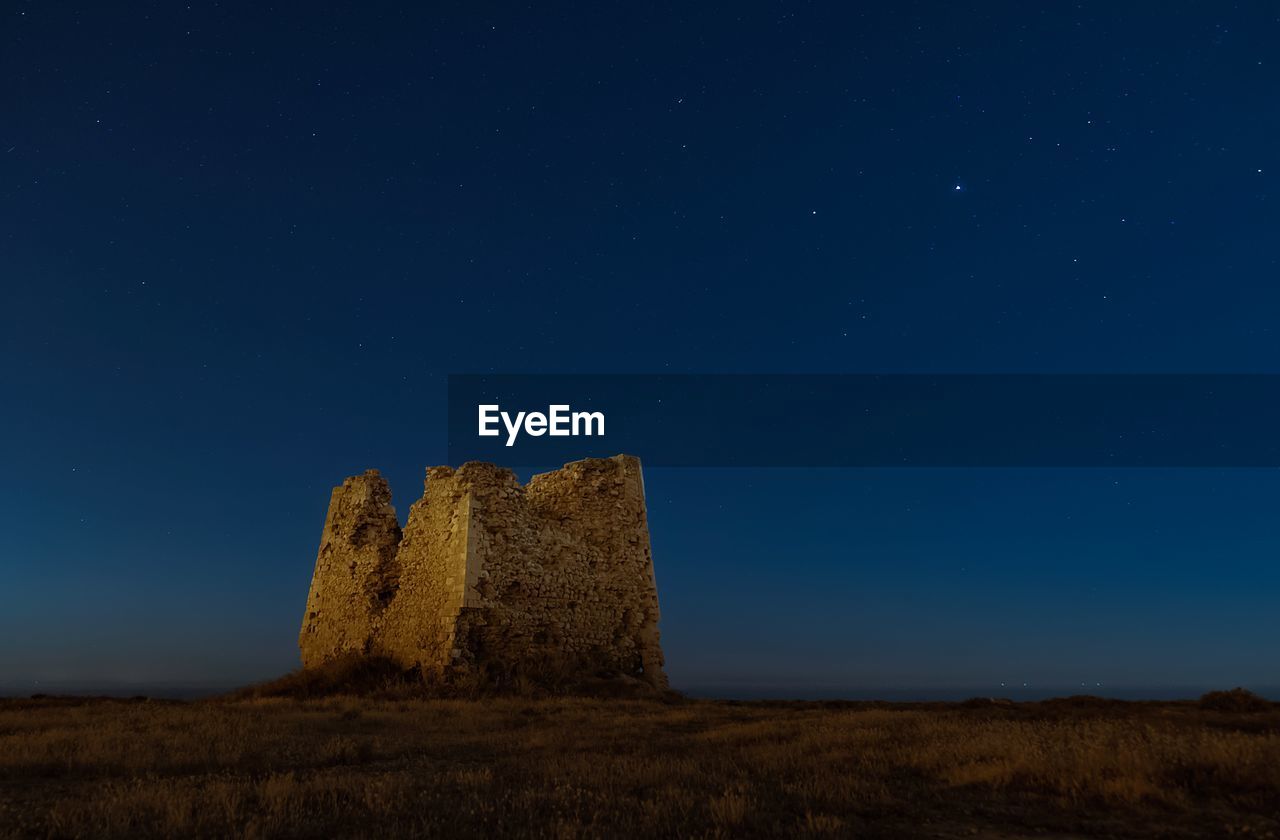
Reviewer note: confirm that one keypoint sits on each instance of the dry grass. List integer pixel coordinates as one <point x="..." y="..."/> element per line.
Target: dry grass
<point x="565" y="767"/>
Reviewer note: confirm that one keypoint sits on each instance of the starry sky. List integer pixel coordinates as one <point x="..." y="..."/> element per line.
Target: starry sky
<point x="241" y="245"/>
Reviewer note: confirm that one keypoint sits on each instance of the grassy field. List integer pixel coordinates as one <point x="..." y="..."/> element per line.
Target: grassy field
<point x="573" y="767"/>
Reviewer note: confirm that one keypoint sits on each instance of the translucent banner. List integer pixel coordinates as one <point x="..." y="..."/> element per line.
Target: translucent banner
<point x="864" y="420"/>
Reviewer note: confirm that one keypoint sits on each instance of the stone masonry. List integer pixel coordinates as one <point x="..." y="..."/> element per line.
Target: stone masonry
<point x="491" y="574"/>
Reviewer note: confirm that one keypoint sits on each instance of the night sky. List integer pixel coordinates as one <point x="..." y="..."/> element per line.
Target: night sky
<point x="241" y="245"/>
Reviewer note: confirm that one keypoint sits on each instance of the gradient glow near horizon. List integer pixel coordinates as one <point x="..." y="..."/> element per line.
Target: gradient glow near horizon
<point x="242" y="246"/>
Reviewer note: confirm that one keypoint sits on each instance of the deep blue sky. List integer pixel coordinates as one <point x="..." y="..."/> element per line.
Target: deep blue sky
<point x="242" y="244"/>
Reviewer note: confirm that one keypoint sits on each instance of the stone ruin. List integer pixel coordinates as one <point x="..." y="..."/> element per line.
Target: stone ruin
<point x="488" y="574"/>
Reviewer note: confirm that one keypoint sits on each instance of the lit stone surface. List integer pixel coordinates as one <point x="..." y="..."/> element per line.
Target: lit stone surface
<point x="490" y="574"/>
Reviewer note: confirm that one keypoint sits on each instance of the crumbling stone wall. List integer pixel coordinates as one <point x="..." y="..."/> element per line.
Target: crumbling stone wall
<point x="491" y="574"/>
<point x="356" y="568"/>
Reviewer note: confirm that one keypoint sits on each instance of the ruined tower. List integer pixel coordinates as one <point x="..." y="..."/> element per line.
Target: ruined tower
<point x="491" y="574"/>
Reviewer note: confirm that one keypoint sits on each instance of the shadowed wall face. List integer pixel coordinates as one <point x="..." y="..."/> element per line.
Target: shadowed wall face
<point x="490" y="574"/>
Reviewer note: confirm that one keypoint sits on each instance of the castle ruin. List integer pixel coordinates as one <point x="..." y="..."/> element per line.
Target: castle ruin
<point x="490" y="574"/>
